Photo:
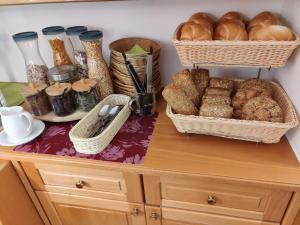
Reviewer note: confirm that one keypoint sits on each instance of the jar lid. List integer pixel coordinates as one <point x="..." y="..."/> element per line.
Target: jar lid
<point x="62" y="73"/>
<point x="84" y="85"/>
<point x="32" y="89"/>
<point x="76" y="30"/>
<point x="53" y="30"/>
<point x="91" y="35"/>
<point x="58" y="89"/>
<point x="25" y="36"/>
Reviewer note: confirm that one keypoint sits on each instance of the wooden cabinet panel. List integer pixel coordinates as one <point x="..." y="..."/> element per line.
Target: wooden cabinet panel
<point x="16" y="208"/>
<point x="97" y="183"/>
<point x="182" y="217"/>
<point x="297" y="220"/>
<point x="65" y="209"/>
<point x="153" y="215"/>
<point x="224" y="197"/>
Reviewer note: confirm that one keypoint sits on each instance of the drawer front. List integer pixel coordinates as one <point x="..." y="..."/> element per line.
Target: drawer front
<point x="224" y="197"/>
<point x="183" y="217"/>
<point x="82" y="178"/>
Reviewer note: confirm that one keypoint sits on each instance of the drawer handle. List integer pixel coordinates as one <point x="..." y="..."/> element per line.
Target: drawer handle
<point x="80" y="184"/>
<point x="154" y="216"/>
<point x="211" y="200"/>
<point x="135" y="212"/>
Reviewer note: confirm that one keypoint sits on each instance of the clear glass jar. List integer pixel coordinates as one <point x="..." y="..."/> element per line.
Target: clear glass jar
<point x="80" y="60"/>
<point x="36" y="68"/>
<point x="97" y="67"/>
<point x="56" y="37"/>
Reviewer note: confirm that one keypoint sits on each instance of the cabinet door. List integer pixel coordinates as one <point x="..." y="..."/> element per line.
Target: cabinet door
<point x="16" y="208"/>
<point x="65" y="209"/>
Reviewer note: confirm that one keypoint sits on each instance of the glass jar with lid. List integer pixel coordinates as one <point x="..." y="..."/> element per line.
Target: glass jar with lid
<point x="36" y="68"/>
<point x="62" y="74"/>
<point x="78" y="49"/>
<point x="97" y="67"/>
<point x="56" y="38"/>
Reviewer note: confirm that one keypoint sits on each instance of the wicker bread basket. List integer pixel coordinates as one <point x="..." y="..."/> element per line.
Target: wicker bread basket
<point x="234" y="53"/>
<point x="99" y="143"/>
<point x="257" y="131"/>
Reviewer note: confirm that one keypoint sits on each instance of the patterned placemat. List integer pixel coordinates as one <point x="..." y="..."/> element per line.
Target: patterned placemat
<point x="128" y="146"/>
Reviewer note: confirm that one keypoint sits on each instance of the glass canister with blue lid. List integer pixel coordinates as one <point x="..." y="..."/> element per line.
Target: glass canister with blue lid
<point x="97" y="67"/>
<point x="56" y="37"/>
<point x="79" y="52"/>
<point x="36" y="68"/>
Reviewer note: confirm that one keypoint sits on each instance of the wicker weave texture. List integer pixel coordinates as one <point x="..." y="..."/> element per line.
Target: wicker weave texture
<point x="79" y="132"/>
<point x="268" y="54"/>
<point x="257" y="131"/>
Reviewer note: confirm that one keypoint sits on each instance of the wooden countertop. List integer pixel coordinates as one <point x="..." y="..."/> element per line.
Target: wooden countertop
<point x="199" y="155"/>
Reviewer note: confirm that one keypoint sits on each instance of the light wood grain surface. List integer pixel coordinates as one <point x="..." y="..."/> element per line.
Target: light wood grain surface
<point x="195" y="155"/>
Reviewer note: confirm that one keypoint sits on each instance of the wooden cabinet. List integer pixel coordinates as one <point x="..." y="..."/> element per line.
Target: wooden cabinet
<point x="65" y="209"/>
<point x="16" y="207"/>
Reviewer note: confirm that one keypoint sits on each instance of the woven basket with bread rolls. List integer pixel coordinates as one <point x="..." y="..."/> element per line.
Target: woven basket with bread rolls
<point x="264" y="41"/>
<point x="253" y="109"/>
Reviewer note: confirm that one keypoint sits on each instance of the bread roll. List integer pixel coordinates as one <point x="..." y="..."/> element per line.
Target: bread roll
<point x="230" y="30"/>
<point x="220" y="111"/>
<point x="185" y="81"/>
<point x="262" y="109"/>
<point x="272" y="33"/>
<point x="263" y="19"/>
<point x="232" y="16"/>
<point x="218" y="91"/>
<point x="178" y="100"/>
<point x="201" y="79"/>
<point x="221" y="83"/>
<point x="201" y="16"/>
<point x="216" y="100"/>
<point x="195" y="32"/>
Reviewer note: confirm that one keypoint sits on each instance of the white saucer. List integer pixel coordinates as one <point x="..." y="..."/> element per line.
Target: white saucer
<point x="37" y="128"/>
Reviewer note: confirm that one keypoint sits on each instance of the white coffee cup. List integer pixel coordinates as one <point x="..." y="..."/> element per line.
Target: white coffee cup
<point x="16" y="122"/>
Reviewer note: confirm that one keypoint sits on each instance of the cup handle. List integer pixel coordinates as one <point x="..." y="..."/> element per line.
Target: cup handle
<point x="29" y="117"/>
<point x="130" y="104"/>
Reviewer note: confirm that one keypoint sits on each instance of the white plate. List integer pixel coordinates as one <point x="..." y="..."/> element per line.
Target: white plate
<point x="51" y="117"/>
<point x="37" y="129"/>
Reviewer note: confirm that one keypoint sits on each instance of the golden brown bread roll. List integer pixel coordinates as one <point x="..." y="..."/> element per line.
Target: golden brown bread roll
<point x="185" y="81"/>
<point x="263" y="19"/>
<point x="178" y="100"/>
<point x="201" y="16"/>
<point x="220" y="111"/>
<point x="272" y="33"/>
<point x="232" y="16"/>
<point x="195" y="32"/>
<point x="262" y="109"/>
<point x="230" y="30"/>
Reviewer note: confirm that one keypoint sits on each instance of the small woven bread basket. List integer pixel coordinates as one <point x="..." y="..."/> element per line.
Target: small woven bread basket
<point x="79" y="132"/>
<point x="257" y="131"/>
<point x="259" y="54"/>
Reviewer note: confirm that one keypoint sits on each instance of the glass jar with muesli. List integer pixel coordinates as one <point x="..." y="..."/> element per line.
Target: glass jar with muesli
<point x="97" y="67"/>
<point x="78" y="49"/>
<point x="57" y="38"/>
<point x="36" y="68"/>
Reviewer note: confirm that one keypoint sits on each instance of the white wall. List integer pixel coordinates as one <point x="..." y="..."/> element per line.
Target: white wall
<point x="155" y="19"/>
<point x="289" y="76"/>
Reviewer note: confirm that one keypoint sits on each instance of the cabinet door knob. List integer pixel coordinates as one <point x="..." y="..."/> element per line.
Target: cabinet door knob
<point x="80" y="184"/>
<point x="211" y="200"/>
<point x="135" y="212"/>
<point x="154" y="216"/>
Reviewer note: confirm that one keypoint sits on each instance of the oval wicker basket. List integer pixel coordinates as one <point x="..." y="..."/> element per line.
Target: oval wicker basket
<point x="260" y="54"/>
<point x="257" y="131"/>
<point x="79" y="132"/>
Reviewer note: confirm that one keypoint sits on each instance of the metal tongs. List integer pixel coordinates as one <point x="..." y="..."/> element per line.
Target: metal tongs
<point x="134" y="76"/>
<point x="149" y="70"/>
